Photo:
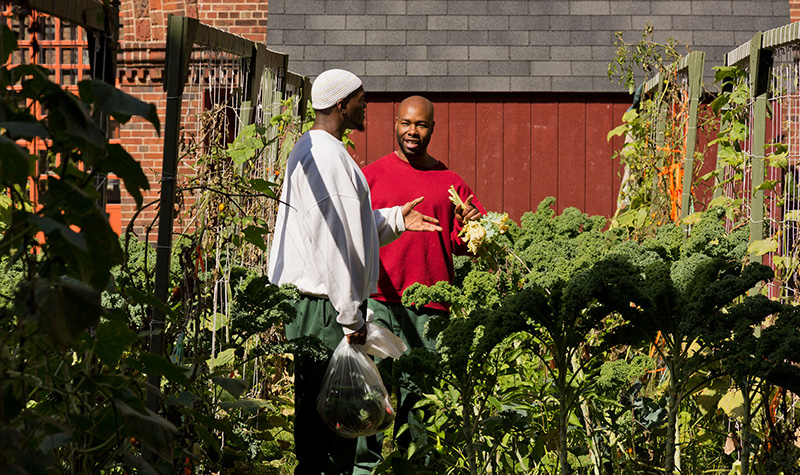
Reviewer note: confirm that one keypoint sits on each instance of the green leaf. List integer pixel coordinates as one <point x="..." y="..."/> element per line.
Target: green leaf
<point x="224" y="358"/>
<point x="779" y="160"/>
<point x="14" y="164"/>
<point x="763" y="246"/>
<point x="156" y="433"/>
<point x="788" y="263"/>
<point x="693" y="219"/>
<point x="255" y="236"/>
<point x="264" y="186"/>
<point x="768" y="185"/>
<point x="215" y="322"/>
<point x="733" y="404"/>
<point x="122" y="164"/>
<point x="148" y="299"/>
<point x="618" y="131"/>
<point x="25" y="130"/>
<point x="235" y="386"/>
<point x="54" y="441"/>
<point x="8" y="41"/>
<point x="113" y="337"/>
<point x="64" y="308"/>
<point x="138" y="463"/>
<point x="708" y="175"/>
<point x="793" y="215"/>
<point x="157" y="364"/>
<point x="116" y="103"/>
<point x="723" y="201"/>
<point x="251" y="405"/>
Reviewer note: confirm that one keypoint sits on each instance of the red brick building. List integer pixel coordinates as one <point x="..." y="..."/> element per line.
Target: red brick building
<point x="141" y="72"/>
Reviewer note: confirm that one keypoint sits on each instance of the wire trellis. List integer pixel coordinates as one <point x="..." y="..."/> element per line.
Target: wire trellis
<point x="227" y="85"/>
<point x="782" y="201"/>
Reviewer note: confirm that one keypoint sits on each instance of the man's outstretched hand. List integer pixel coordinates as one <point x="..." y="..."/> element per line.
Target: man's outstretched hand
<point x="468" y="212"/>
<point x="416" y="221"/>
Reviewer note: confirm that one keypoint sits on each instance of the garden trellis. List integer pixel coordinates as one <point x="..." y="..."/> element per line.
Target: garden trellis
<point x="676" y="93"/>
<point x="217" y="83"/>
<point x="770" y="151"/>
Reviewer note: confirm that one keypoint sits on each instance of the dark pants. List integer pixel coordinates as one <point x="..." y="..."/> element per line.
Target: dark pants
<point x="319" y="451"/>
<point x="409" y="325"/>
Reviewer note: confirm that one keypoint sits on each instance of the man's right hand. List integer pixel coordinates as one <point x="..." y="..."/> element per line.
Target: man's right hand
<point x="468" y="212"/>
<point x="358" y="337"/>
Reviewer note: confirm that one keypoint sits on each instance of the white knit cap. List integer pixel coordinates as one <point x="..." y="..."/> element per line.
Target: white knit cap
<point x="331" y="86"/>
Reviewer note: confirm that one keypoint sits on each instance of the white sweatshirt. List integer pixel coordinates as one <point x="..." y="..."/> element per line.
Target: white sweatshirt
<point x="327" y="239"/>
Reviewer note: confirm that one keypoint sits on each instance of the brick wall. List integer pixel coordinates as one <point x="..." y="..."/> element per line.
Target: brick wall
<point x="141" y="70"/>
<point x="794" y="9"/>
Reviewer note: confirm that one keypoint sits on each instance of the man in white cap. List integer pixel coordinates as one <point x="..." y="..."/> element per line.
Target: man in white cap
<point x="326" y="242"/>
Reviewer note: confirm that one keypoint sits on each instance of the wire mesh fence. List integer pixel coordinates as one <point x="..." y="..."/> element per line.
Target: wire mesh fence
<point x="764" y="180"/>
<point x="229" y="108"/>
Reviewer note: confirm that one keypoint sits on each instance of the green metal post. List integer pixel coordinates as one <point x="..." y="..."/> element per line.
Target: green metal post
<point x="179" y="50"/>
<point x="696" y="60"/>
<point x="257" y="63"/>
<point x="759" y="74"/>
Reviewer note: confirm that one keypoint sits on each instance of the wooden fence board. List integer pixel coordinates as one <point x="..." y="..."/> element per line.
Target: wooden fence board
<point x="489" y="154"/>
<point x="544" y="152"/>
<point x="599" y="169"/>
<point x="462" y="141"/>
<point x="516" y="171"/>
<point x="571" y="156"/>
<point x="441" y="132"/>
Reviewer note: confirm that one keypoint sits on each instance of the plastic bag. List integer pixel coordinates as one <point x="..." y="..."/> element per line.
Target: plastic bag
<point x="353" y="400"/>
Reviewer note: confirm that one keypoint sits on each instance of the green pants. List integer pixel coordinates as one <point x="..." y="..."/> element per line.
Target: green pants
<point x="409" y="325"/>
<point x="319" y="451"/>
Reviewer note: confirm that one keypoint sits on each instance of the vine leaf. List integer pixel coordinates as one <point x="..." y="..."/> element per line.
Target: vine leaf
<point x="48" y="226"/>
<point x="25" y="130"/>
<point x="223" y="358"/>
<point x="124" y="166"/>
<point x="156" y="364"/>
<point x="112" y="101"/>
<point x="251" y="405"/>
<point x="768" y="185"/>
<point x="14" y="165"/>
<point x="263" y="186"/>
<point x="113" y="337"/>
<point x="156" y="433"/>
<point x="8" y="43"/>
<point x="234" y="386"/>
<point x="733" y="404"/>
<point x="763" y="246"/>
<point x="255" y="235"/>
<point x="64" y="309"/>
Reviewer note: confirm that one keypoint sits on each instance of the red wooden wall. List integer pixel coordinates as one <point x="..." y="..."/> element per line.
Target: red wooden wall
<point x="516" y="149"/>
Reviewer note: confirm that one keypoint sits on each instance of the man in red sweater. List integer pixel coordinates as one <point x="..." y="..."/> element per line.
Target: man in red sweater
<point x="426" y="258"/>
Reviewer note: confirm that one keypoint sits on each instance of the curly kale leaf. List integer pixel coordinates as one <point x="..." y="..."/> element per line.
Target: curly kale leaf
<point x="420" y="369"/>
<point x="257" y="304"/>
<point x="616" y="376"/>
<point x="417" y="295"/>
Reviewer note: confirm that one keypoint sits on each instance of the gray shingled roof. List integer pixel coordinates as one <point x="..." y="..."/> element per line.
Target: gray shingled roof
<point x="499" y="45"/>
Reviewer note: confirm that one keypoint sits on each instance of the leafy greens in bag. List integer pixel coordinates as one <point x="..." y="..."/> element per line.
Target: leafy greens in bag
<point x="353" y="400"/>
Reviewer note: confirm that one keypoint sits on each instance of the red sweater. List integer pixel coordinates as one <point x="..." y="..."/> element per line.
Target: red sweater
<point x="424" y="257"/>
